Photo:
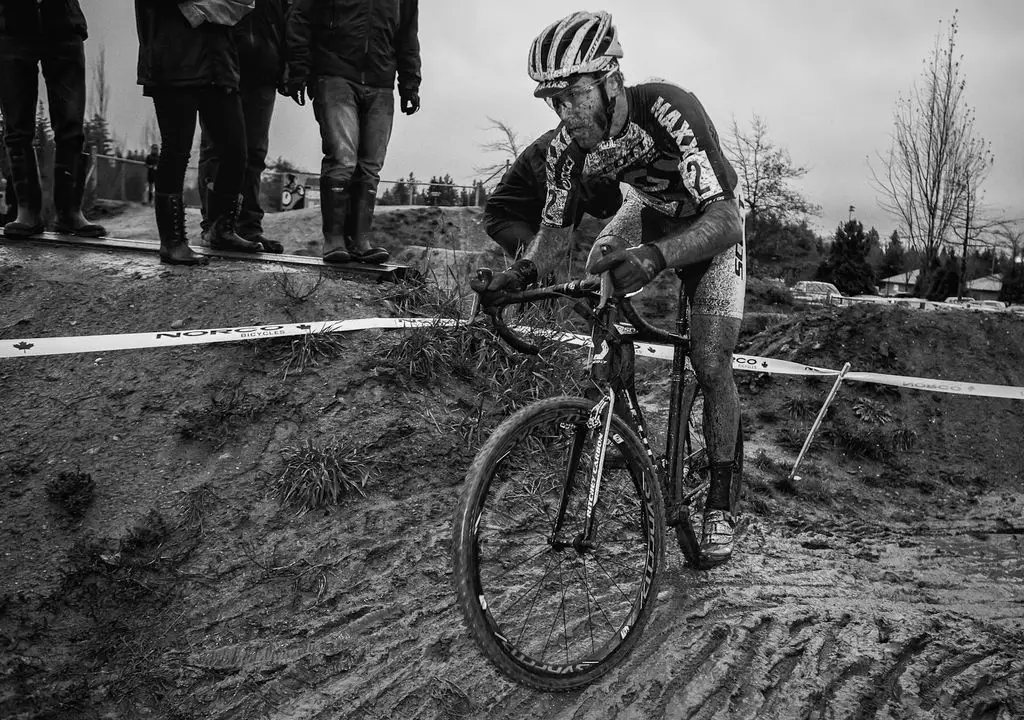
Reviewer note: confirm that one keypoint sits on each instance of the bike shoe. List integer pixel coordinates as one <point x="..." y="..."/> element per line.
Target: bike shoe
<point x="717" y="537"/>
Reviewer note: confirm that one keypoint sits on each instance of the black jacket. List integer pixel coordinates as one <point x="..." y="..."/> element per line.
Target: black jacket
<point x="259" y="37"/>
<point x="174" y="54"/>
<point x="49" y="19"/>
<point x="522" y="191"/>
<point x="365" y="41"/>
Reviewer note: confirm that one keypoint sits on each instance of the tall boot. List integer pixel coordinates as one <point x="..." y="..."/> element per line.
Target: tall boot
<point x="333" y="208"/>
<point x="223" y="213"/>
<point x="67" y="199"/>
<point x="359" y="226"/>
<point x="170" y="222"/>
<point x="25" y="174"/>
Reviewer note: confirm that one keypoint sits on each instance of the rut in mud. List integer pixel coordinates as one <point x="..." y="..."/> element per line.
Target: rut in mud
<point x="888" y="582"/>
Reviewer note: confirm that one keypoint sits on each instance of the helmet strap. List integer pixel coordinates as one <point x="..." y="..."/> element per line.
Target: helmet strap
<point x="609" y="109"/>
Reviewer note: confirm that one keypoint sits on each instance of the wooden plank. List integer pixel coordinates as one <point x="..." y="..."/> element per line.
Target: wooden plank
<point x="393" y="273"/>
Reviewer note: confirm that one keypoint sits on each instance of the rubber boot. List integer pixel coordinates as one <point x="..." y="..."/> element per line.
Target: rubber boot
<point x="333" y="209"/>
<point x="67" y="199"/>
<point x="359" y="226"/>
<point x="170" y="222"/>
<point x="223" y="213"/>
<point x="25" y="174"/>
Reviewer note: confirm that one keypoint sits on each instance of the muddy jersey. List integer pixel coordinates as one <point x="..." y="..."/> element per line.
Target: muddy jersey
<point x="668" y="152"/>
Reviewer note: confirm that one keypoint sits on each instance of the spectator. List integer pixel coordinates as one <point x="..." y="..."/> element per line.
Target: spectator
<point x="188" y="64"/>
<point x="259" y="37"/>
<point x="49" y="34"/>
<point x="345" y="54"/>
<point x="513" y="210"/>
<point x="152" y="160"/>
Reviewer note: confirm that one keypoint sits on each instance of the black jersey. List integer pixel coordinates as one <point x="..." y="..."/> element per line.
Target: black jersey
<point x="668" y="152"/>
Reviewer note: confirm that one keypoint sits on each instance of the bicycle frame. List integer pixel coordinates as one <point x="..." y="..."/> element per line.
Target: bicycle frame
<point x="611" y="364"/>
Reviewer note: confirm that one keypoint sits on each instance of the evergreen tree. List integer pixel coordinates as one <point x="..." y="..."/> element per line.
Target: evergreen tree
<point x="894" y="258"/>
<point x="847" y="265"/>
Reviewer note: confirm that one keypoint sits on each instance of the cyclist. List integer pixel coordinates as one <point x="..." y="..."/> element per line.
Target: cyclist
<point x="513" y="211"/>
<point x="683" y="212"/>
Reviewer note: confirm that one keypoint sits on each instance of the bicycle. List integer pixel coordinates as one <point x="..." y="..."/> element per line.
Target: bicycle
<point x="560" y="530"/>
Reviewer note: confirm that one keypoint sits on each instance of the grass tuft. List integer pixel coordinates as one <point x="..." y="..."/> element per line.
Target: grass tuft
<point x="317" y="476"/>
<point x="800" y="408"/>
<point x="419" y="293"/>
<point x="310" y="349"/>
<point x="871" y="412"/>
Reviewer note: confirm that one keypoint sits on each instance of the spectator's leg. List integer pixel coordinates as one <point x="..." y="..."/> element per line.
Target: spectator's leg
<point x="176" y="117"/>
<point x="19" y="84"/>
<point x="258" y="109"/>
<point x="208" y="164"/>
<point x="376" y="116"/>
<point x="335" y="108"/>
<point x="221" y="114"/>
<point x="64" y="71"/>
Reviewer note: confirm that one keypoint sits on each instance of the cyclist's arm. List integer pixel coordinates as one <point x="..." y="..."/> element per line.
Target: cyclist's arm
<point x="718" y="228"/>
<point x="549" y="251"/>
<point x="564" y="166"/>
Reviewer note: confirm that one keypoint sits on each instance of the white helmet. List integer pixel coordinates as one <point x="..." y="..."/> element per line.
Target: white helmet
<point x="584" y="42"/>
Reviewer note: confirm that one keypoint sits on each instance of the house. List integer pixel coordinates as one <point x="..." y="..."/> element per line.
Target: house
<point x="985" y="288"/>
<point x="897" y="284"/>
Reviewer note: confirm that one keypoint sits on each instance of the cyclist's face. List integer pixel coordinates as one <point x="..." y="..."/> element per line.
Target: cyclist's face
<point x="581" y="107"/>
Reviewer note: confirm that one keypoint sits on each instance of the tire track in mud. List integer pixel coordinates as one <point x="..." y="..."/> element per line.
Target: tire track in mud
<point x="799" y="624"/>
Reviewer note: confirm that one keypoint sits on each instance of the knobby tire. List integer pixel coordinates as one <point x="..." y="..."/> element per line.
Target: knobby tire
<point x="551" y="615"/>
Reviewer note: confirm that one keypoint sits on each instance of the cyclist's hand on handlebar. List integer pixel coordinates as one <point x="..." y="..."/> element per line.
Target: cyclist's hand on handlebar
<point x="630" y="268"/>
<point x="493" y="286"/>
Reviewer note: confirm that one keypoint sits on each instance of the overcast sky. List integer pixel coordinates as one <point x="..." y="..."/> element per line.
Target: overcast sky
<point x="825" y="75"/>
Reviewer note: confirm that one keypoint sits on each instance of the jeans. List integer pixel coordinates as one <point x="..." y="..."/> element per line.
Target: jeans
<point x="355" y="128"/>
<point x="221" y="113"/>
<point x="63" y="64"/>
<point x="258" y="108"/>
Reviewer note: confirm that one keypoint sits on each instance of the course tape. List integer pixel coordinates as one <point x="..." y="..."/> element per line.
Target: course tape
<point x="37" y="347"/>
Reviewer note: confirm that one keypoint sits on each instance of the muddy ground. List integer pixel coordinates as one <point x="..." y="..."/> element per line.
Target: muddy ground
<point x="149" y="570"/>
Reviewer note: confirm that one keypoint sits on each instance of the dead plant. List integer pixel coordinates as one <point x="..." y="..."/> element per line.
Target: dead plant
<point x="298" y="287"/>
<point x="72" y="491"/>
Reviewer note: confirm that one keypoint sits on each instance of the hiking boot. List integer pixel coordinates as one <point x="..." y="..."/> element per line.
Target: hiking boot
<point x="170" y="223"/>
<point x="717" y="536"/>
<point x="270" y="246"/>
<point x="223" y="214"/>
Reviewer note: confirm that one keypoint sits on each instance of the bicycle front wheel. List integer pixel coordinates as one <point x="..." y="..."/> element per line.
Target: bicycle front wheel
<point x="552" y="605"/>
<point x="695" y="472"/>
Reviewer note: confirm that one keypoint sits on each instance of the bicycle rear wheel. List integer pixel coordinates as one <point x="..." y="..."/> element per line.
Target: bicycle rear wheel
<point x="696" y="473"/>
<point x="549" y="610"/>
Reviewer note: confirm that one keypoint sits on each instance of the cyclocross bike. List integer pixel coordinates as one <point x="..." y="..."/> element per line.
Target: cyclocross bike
<point x="559" y="534"/>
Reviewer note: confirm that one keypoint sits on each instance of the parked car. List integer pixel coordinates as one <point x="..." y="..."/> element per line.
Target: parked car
<point x="815" y="292"/>
<point x="987" y="305"/>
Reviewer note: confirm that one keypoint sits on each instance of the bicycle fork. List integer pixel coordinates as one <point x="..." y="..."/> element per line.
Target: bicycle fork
<point x="600" y="421"/>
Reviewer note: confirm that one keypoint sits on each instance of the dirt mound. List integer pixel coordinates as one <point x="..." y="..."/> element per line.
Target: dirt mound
<point x="151" y="570"/>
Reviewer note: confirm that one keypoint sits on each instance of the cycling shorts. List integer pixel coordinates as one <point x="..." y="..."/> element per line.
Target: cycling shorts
<point x="714" y="287"/>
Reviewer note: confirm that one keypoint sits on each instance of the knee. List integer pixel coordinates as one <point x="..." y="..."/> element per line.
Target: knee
<point x="713" y="367"/>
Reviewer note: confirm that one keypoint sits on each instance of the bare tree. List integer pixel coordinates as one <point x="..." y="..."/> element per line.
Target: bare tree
<point x="100" y="101"/>
<point x="507" y="144"/>
<point x="766" y="172"/>
<point x="933" y="170"/>
<point x="150" y="133"/>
